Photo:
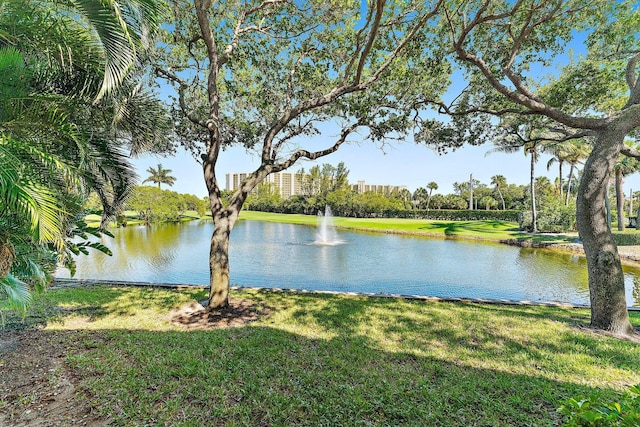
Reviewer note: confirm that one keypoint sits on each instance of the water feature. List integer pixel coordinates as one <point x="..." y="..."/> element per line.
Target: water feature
<point x="326" y="234"/>
<point x="285" y="256"/>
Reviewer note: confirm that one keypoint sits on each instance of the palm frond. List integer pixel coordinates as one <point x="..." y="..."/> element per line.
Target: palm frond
<point x="106" y="19"/>
<point x="14" y="293"/>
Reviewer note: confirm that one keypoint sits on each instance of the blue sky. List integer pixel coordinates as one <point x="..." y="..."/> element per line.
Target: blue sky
<point x="401" y="164"/>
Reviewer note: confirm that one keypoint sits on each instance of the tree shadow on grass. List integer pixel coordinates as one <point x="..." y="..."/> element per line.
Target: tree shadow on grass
<point x="544" y="337"/>
<point x="336" y="360"/>
<point x="265" y="376"/>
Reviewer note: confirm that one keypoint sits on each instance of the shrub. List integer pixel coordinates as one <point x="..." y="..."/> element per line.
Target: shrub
<point x="626" y="239"/>
<point x="594" y="411"/>
<point x="554" y="218"/>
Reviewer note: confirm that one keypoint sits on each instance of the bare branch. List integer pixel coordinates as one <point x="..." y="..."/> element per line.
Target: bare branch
<point x="239" y="30"/>
<point x="292" y="134"/>
<point x="358" y="45"/>
<point x="316" y="154"/>
<point x="373" y="34"/>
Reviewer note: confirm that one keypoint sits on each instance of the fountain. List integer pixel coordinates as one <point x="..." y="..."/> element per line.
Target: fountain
<point x="326" y="234"/>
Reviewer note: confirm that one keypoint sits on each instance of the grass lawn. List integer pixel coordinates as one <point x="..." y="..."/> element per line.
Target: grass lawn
<point x="330" y="360"/>
<point x="492" y="230"/>
<point x="488" y="230"/>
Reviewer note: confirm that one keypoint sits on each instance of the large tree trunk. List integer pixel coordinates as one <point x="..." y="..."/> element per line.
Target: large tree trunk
<point x="606" y="280"/>
<point x="219" y="260"/>
<point x="224" y="218"/>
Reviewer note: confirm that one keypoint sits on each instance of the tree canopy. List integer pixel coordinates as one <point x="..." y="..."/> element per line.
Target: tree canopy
<point x="504" y="48"/>
<point x="273" y="75"/>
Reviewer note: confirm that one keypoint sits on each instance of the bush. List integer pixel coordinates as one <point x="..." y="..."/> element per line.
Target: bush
<point x="626" y="239"/>
<point x="554" y="218"/>
<point x="595" y="411"/>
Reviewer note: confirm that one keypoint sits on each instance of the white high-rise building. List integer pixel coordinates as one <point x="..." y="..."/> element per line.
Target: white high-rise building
<point x="288" y="184"/>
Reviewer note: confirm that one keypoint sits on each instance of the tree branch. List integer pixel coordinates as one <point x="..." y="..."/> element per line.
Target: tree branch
<point x="277" y="167"/>
<point x="182" y="86"/>
<point x="632" y="80"/>
<point x="630" y="151"/>
<point x="522" y="95"/>
<point x="343" y="88"/>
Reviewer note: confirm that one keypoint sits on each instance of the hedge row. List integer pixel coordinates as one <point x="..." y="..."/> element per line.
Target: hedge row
<point x="432" y="214"/>
<point x="452" y="215"/>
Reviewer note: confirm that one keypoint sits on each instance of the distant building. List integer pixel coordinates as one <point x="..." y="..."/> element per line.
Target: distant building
<point x="362" y="187"/>
<point x="290" y="184"/>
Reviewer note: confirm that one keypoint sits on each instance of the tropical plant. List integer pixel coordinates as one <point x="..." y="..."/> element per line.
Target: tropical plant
<point x="576" y="155"/>
<point x="57" y="143"/>
<point x="499" y="182"/>
<point x="529" y="137"/>
<point x="431" y="186"/>
<point x="160" y="176"/>
<point x="420" y="196"/>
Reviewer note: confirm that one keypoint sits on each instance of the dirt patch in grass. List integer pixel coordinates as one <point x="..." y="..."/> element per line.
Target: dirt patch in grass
<point x="36" y="386"/>
<point x="239" y="312"/>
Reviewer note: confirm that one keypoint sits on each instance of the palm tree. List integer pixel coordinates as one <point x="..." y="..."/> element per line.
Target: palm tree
<point x="160" y="176"/>
<point x="54" y="148"/>
<point x="500" y="182"/>
<point x="419" y="197"/>
<point x="523" y="138"/>
<point x="560" y="151"/>
<point x="577" y="152"/>
<point x="624" y="166"/>
<point x="123" y="27"/>
<point x="431" y="186"/>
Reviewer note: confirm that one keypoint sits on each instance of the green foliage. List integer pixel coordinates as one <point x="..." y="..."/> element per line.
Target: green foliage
<point x="598" y="411"/>
<point x="465" y="215"/>
<point x="155" y="205"/>
<point x="626" y="239"/>
<point x="79" y="242"/>
<point x="265" y="197"/>
<point x="553" y="218"/>
<point x="57" y="142"/>
<point x="160" y="176"/>
<point x="14" y="294"/>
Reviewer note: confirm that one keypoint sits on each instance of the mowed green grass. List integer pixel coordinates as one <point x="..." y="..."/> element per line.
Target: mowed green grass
<point x="490" y="230"/>
<point x="322" y="359"/>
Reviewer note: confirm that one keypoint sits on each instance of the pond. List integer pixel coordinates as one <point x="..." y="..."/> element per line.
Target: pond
<point x="278" y="255"/>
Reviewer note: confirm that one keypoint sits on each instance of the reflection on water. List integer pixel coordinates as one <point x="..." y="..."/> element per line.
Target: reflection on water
<point x="281" y="255"/>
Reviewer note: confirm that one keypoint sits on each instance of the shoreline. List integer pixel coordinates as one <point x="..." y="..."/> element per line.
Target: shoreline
<point x="629" y="255"/>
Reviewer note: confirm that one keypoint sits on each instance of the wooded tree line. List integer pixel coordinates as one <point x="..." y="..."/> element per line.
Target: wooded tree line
<point x="270" y="75"/>
<point x="328" y="185"/>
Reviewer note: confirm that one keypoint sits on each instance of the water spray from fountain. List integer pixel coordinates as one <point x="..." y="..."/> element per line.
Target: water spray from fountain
<point x="326" y="234"/>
